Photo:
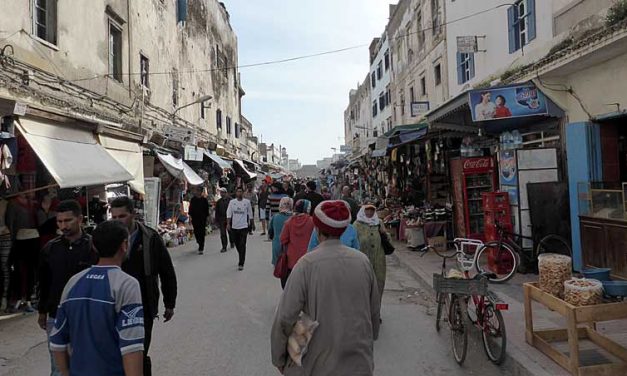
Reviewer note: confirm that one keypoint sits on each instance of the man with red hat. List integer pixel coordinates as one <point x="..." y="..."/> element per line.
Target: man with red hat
<point x="337" y="288"/>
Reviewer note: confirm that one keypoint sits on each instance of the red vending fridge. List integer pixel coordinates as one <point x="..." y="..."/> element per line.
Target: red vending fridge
<point x="471" y="177"/>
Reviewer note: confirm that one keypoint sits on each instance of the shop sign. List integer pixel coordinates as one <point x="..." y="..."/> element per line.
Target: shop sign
<point x="20" y="109"/>
<point x="345" y="148"/>
<point x="507" y="102"/>
<point x="183" y="135"/>
<point x="508" y="174"/>
<point x="193" y="153"/>
<point x="467" y="44"/>
<point x="477" y="164"/>
<point x="152" y="186"/>
<point x="419" y="108"/>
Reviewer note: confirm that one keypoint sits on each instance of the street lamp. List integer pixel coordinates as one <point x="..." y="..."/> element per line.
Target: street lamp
<point x="202" y="99"/>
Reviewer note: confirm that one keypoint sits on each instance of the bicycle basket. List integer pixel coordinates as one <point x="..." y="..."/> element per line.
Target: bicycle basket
<point x="460" y="286"/>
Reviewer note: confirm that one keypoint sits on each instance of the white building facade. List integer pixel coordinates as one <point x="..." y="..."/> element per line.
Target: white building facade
<point x="380" y="94"/>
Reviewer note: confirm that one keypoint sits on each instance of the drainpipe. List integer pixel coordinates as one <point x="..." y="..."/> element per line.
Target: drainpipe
<point x="130" y="42"/>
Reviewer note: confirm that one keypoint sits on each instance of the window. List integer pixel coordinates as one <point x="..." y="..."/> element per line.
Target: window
<point x="521" y="23"/>
<point x="379" y="71"/>
<point x="144" y="71"/>
<point x="375" y="133"/>
<point x="437" y="73"/>
<point x="423" y="86"/>
<point x="237" y="130"/>
<point x="374" y="108"/>
<point x="373" y="79"/>
<point x="402" y="94"/>
<point x="436" y="15"/>
<point x="421" y="33"/>
<point x="202" y="110"/>
<point x="386" y="58"/>
<point x="219" y="120"/>
<point x="465" y="67"/>
<point x="412" y="97"/>
<point x="45" y="20"/>
<point x="388" y="97"/>
<point x="381" y="101"/>
<point x="115" y="52"/>
<point x="228" y="125"/>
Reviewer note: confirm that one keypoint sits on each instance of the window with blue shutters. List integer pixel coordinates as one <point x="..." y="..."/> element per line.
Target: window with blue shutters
<point x="521" y="24"/>
<point x="181" y="11"/>
<point x="465" y="67"/>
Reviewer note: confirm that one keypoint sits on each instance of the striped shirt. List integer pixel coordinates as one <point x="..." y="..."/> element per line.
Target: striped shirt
<point x="102" y="318"/>
<point x="273" y="203"/>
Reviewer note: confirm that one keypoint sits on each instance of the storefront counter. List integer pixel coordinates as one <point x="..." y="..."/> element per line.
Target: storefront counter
<point x="604" y="244"/>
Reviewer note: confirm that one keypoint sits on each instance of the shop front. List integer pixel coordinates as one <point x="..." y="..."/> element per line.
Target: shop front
<point x="510" y="140"/>
<point x="602" y="199"/>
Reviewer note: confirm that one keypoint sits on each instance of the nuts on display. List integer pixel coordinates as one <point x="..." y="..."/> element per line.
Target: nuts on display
<point x="582" y="292"/>
<point x="553" y="270"/>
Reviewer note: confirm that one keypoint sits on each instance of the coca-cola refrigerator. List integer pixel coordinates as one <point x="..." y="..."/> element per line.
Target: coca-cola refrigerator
<point x="471" y="177"/>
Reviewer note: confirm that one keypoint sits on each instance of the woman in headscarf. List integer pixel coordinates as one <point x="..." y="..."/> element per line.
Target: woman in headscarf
<point x="276" y="226"/>
<point x="369" y="231"/>
<point x="296" y="234"/>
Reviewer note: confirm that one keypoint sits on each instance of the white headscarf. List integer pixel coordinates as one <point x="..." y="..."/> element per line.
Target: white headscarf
<point x="361" y="217"/>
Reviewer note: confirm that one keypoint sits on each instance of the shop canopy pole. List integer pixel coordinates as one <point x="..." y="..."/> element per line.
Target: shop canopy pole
<point x="31" y="190"/>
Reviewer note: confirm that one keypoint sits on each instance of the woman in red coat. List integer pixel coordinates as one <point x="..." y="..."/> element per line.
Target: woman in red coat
<point x="296" y="234"/>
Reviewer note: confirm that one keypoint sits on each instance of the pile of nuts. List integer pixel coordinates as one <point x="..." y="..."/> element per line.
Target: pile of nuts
<point x="553" y="270"/>
<point x="581" y="292"/>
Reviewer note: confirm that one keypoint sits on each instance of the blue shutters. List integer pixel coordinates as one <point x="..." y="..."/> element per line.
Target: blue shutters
<point x="471" y="65"/>
<point x="531" y="20"/>
<point x="511" y="28"/>
<point x="460" y="71"/>
<point x="181" y="11"/>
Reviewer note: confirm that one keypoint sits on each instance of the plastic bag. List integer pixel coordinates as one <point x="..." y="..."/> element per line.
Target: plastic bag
<point x="582" y="292"/>
<point x="553" y="270"/>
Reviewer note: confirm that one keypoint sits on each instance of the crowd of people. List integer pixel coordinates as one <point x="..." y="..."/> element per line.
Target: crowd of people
<point x="100" y="293"/>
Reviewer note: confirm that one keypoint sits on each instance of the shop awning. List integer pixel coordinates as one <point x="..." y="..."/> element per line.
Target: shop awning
<point x="130" y="156"/>
<point x="406" y="138"/>
<point x="72" y="155"/>
<point x="240" y="164"/>
<point x="405" y="128"/>
<point x="379" y="153"/>
<point x="179" y="169"/>
<point x="219" y="161"/>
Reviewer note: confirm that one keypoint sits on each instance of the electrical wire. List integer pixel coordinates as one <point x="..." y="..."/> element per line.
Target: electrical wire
<point x="296" y="58"/>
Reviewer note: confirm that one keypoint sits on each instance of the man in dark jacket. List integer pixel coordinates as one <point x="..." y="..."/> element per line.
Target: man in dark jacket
<point x="60" y="259"/>
<point x="221" y="206"/>
<point x="148" y="261"/>
<point x="346" y="196"/>
<point x="199" y="212"/>
<point x="314" y="197"/>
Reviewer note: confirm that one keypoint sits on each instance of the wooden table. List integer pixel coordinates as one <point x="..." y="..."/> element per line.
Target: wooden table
<point x="581" y="324"/>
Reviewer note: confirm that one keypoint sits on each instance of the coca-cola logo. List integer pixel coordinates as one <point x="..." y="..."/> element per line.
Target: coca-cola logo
<point x="473" y="164"/>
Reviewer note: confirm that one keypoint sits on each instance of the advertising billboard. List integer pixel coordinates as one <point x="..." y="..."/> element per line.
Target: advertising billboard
<point x="507" y="102"/>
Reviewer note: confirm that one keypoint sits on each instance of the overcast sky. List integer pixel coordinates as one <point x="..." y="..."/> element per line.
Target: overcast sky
<point x="300" y="105"/>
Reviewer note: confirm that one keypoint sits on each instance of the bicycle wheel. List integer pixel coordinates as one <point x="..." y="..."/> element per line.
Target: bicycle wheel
<point x="494" y="334"/>
<point x="554" y="244"/>
<point x="458" y="321"/>
<point x="498" y="259"/>
<point x="440" y="299"/>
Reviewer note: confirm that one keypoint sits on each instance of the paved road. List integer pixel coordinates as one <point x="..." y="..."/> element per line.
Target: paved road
<point x="223" y="317"/>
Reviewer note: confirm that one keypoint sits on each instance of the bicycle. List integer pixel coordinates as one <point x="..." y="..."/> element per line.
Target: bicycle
<point x="454" y="295"/>
<point x="552" y="243"/>
<point x="498" y="263"/>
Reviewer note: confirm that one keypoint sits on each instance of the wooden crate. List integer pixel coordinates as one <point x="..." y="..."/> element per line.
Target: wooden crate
<point x="581" y="324"/>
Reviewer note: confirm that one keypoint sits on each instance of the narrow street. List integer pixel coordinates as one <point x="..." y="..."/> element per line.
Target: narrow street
<point x="223" y="317"/>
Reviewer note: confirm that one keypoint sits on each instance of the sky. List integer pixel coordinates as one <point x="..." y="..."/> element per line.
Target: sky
<point x="300" y="105"/>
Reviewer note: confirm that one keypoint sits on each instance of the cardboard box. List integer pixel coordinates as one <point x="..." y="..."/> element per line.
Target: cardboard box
<point x="437" y="242"/>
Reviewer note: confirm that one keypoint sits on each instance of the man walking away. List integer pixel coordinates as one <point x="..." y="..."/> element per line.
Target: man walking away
<point x="312" y="196"/>
<point x="221" y="206"/>
<point x="346" y="196"/>
<point x="60" y="259"/>
<point x="251" y="196"/>
<point x="336" y="287"/>
<point x="263" y="202"/>
<point x="239" y="215"/>
<point x="149" y="262"/>
<point x="101" y="314"/>
<point x="199" y="212"/>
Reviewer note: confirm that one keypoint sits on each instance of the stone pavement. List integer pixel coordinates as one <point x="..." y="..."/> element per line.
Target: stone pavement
<point x="523" y="359"/>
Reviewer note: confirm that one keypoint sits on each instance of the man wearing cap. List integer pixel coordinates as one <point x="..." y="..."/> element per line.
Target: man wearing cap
<point x="336" y="287"/>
